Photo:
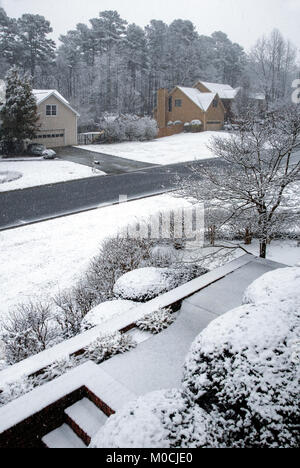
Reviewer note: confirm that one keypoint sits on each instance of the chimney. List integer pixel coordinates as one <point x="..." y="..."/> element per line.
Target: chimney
<point x="162" y="97"/>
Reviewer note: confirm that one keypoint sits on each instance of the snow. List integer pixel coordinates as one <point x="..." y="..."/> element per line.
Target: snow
<point x="239" y="389"/>
<point x="87" y="416"/>
<point x="34" y="173"/>
<point x="107" y="311"/>
<point x="168" y="150"/>
<point x="158" y="420"/>
<point x="9" y="176"/>
<point x="275" y="286"/>
<point x="202" y="100"/>
<point x="63" y="438"/>
<point x="142" y="284"/>
<point x="63" y="248"/>
<point x="224" y="91"/>
<point x="88" y="375"/>
<point x="245" y="356"/>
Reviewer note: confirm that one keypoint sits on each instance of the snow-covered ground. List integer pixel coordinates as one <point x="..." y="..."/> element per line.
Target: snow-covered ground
<point x="38" y="261"/>
<point x="169" y="150"/>
<point x="33" y="173"/>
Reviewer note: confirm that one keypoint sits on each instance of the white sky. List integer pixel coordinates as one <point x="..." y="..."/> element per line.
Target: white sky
<point x="244" y="21"/>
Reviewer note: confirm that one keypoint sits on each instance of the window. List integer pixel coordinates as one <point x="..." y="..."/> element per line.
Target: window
<point x="170" y="104"/>
<point x="178" y="103"/>
<point x="214" y="122"/>
<point x="51" y="110"/>
<point x="215" y="102"/>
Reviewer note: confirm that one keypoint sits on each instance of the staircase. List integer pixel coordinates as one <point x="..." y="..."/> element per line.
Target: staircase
<point x="82" y="421"/>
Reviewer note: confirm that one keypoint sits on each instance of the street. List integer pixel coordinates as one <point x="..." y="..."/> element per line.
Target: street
<point x="21" y="207"/>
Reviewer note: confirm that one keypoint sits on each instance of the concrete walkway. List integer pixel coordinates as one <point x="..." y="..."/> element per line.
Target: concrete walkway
<point x="157" y="363"/>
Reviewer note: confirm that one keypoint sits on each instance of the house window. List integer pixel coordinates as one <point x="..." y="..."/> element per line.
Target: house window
<point x="170" y="104"/>
<point x="178" y="103"/>
<point x="51" y="110"/>
<point x="215" y="102"/>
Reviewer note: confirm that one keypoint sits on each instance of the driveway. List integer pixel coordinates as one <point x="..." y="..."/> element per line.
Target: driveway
<point x="107" y="163"/>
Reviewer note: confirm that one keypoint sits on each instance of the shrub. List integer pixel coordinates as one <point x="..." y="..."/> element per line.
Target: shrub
<point x="193" y="127"/>
<point x="106" y="311"/>
<point x="107" y="346"/>
<point x="27" y="331"/>
<point x="160" y="419"/>
<point x="142" y="285"/>
<point x="72" y="307"/>
<point x="157" y="321"/>
<point x="241" y="370"/>
<point x="129" y="128"/>
<point x="240" y="383"/>
<point x="117" y="256"/>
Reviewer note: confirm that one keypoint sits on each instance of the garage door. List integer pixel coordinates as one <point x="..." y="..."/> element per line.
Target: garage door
<point x="51" y="138"/>
<point x="214" y="125"/>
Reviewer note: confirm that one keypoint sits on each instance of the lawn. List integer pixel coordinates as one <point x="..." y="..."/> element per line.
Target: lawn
<point x="169" y="150"/>
<point x="23" y="174"/>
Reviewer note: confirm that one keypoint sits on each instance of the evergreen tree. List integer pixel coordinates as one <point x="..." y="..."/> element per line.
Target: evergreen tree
<point x="19" y="113"/>
<point x="37" y="48"/>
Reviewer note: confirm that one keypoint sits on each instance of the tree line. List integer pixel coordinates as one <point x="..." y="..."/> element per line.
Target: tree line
<point x="111" y="66"/>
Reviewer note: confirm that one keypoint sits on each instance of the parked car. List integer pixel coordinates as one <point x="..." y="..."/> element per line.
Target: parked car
<point x="37" y="149"/>
<point x="49" y="154"/>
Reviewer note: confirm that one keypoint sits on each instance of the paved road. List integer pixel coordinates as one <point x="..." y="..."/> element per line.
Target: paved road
<point x="107" y="163"/>
<point x="21" y="207"/>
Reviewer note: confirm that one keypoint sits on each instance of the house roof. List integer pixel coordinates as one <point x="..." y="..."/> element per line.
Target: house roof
<point x="42" y="94"/>
<point x="223" y="90"/>
<point x="202" y="100"/>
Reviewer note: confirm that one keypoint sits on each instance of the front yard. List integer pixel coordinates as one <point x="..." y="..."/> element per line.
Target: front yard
<point x="20" y="174"/>
<point x="169" y="150"/>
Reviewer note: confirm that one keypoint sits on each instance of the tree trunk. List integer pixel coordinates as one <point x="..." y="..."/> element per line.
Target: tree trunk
<point x="248" y="237"/>
<point x="263" y="249"/>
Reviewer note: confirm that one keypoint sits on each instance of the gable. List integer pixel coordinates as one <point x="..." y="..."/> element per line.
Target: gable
<point x="43" y="95"/>
<point x="201" y="100"/>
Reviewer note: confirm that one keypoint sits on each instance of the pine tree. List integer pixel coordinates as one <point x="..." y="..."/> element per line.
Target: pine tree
<point x="19" y="113"/>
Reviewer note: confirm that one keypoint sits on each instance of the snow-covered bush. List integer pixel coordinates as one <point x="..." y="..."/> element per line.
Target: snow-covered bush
<point x="194" y="126"/>
<point x="275" y="286"/>
<point x="72" y="306"/>
<point x="106" y="311"/>
<point x="163" y="255"/>
<point x="241" y="371"/>
<point x="27" y="331"/>
<point x="240" y="383"/>
<point x="157" y="321"/>
<point x="129" y="127"/>
<point x="107" y="346"/>
<point x="16" y="390"/>
<point x="56" y="369"/>
<point x="25" y="385"/>
<point x="160" y="419"/>
<point x="142" y="285"/>
<point x="117" y="256"/>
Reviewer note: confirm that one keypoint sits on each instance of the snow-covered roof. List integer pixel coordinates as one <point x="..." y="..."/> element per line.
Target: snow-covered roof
<point x="223" y="90"/>
<point x="42" y="94"/>
<point x="202" y="100"/>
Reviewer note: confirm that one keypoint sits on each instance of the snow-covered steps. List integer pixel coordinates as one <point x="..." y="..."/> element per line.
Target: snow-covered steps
<point x="85" y="419"/>
<point x="139" y="335"/>
<point x="63" y="437"/>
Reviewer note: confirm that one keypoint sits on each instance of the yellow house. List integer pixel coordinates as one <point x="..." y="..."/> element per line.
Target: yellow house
<point x="57" y="119"/>
<point x="184" y="105"/>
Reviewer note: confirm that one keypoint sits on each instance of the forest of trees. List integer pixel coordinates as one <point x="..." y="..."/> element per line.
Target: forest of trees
<point x="116" y="67"/>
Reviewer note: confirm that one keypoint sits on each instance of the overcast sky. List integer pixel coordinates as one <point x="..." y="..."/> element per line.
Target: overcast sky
<point x="244" y="21"/>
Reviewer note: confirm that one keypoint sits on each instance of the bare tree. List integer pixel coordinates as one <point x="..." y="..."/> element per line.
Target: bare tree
<point x="258" y="168"/>
<point x="273" y="61"/>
